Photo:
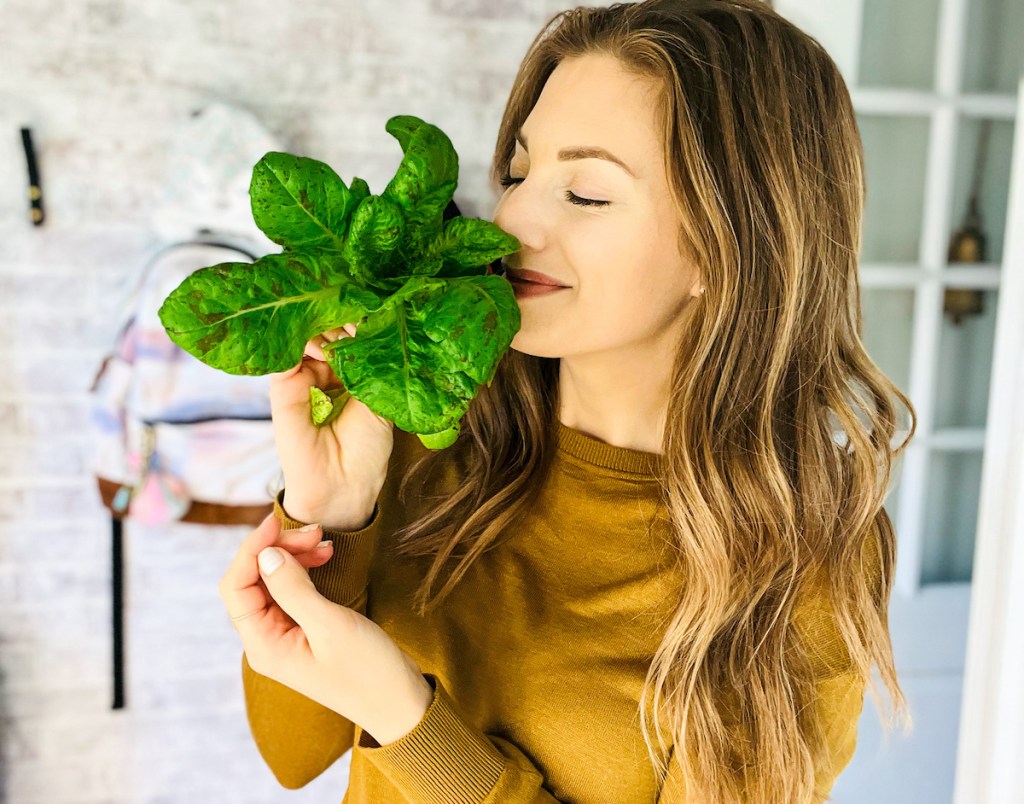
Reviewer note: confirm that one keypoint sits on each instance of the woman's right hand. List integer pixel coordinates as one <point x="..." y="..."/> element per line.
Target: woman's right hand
<point x="333" y="474"/>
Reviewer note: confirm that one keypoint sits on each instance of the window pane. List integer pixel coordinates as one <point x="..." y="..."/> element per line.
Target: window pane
<point x="994" y="56"/>
<point x="951" y="516"/>
<point x="895" y="156"/>
<point x="898" y="44"/>
<point x="892" y="500"/>
<point x="887" y="316"/>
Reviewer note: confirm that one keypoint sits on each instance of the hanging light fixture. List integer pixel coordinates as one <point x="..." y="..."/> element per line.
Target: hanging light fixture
<point x="968" y="243"/>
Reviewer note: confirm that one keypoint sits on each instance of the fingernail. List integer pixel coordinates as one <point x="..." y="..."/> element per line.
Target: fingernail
<point x="325" y="542"/>
<point x="270" y="559"/>
<point x="308" y="528"/>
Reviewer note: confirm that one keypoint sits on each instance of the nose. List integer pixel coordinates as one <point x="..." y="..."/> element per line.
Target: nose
<point x="517" y="216"/>
<point x="499" y="215"/>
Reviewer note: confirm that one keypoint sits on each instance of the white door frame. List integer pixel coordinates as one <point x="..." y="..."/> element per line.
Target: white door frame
<point x="990" y="758"/>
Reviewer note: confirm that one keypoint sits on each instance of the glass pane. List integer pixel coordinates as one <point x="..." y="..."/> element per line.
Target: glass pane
<point x="994" y="56"/>
<point x="892" y="500"/>
<point x="951" y="516"/>
<point x="996" y="136"/>
<point x="964" y="367"/>
<point x="895" y="156"/>
<point x="887" y="315"/>
<point x="898" y="44"/>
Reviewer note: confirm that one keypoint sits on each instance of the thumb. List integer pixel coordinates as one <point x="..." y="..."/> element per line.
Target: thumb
<point x="289" y="584"/>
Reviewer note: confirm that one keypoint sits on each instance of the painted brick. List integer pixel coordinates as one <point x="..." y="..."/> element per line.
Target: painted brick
<point x="103" y="83"/>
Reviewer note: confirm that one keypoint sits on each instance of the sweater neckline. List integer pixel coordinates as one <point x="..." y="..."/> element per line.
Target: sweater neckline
<point x="600" y="453"/>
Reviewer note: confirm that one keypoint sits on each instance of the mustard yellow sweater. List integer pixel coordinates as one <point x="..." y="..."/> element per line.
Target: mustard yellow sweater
<point x="537" y="658"/>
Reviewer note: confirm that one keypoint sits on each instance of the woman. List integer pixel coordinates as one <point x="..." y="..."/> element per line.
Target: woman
<point x="667" y="507"/>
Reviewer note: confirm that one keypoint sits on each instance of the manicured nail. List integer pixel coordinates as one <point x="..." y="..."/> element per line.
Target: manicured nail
<point x="308" y="528"/>
<point x="325" y="543"/>
<point x="270" y="559"/>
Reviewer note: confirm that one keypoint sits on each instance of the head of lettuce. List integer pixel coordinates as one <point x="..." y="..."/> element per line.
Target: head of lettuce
<point x="432" y="322"/>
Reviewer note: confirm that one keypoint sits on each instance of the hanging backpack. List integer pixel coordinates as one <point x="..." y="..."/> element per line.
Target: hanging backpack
<point x="174" y="439"/>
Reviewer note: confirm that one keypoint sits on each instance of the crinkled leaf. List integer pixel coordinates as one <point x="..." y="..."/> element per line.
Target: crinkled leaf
<point x="358" y="191"/>
<point x="326" y="406"/>
<point x="466" y="244"/>
<point x="374" y="234"/>
<point x="440" y="440"/>
<point x="429" y="161"/>
<point x="256" y="318"/>
<point x="301" y="203"/>
<point x="472" y="321"/>
<point x="420" y="362"/>
<point x="423" y="222"/>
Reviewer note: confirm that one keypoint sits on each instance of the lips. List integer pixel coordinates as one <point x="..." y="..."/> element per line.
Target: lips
<point x="533" y="277"/>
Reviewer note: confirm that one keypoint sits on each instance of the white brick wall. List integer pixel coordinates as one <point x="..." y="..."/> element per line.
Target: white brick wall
<point x="102" y="83"/>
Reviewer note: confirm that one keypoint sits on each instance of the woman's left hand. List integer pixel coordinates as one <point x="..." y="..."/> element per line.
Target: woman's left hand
<point x="329" y="653"/>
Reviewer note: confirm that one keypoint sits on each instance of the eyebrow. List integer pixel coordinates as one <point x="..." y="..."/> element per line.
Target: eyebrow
<point x="582" y="152"/>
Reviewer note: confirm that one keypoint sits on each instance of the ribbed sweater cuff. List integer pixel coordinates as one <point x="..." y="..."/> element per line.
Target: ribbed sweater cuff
<point x="441" y="759"/>
<point x="343" y="579"/>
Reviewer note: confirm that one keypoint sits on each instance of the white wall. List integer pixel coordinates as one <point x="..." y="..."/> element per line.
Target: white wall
<point x="102" y="84"/>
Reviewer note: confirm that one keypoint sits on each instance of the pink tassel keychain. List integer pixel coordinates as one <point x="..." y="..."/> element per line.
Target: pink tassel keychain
<point x="158" y="498"/>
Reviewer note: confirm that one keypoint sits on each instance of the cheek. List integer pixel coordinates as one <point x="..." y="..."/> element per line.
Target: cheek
<point x="621" y="276"/>
<point x="636" y="293"/>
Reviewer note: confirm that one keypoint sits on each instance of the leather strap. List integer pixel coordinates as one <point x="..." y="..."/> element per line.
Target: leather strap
<point x="200" y="512"/>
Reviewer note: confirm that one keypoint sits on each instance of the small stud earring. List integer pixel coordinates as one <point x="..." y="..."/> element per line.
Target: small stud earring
<point x="702" y="291"/>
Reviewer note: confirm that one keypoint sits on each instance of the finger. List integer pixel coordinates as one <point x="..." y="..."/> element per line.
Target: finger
<point x="312" y="354"/>
<point x="315" y="346"/>
<point x="290" y="586"/>
<point x="314" y="349"/>
<point x="238" y="587"/>
<point x="289" y="391"/>
<point x="299" y="540"/>
<point x="316" y="557"/>
<point x="277" y="376"/>
<point x="338" y="332"/>
<point x="307" y="546"/>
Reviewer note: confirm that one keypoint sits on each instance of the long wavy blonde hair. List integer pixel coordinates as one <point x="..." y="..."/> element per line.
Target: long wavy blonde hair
<point x="778" y="445"/>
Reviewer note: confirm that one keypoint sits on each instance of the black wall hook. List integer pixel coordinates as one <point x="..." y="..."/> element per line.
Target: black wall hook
<point x="35" y="187"/>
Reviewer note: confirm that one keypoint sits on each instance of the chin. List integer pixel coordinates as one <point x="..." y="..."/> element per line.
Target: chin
<point x="532" y="347"/>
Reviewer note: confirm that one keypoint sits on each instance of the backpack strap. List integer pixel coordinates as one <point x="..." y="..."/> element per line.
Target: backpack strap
<point x="199" y="240"/>
<point x="200" y="512"/>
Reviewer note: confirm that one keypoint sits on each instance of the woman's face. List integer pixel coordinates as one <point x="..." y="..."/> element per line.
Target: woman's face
<point x="628" y="283"/>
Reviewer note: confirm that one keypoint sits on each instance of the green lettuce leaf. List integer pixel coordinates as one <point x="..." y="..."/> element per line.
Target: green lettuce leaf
<point x="425" y="354"/>
<point x="255" y="318"/>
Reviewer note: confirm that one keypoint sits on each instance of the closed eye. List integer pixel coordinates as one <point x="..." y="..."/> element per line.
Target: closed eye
<point x="570" y="196"/>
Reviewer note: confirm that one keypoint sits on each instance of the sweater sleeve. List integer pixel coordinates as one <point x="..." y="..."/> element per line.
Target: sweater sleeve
<point x="298" y="738"/>
<point x="444" y="758"/>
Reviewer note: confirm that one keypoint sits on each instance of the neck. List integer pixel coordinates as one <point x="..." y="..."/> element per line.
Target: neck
<point x="620" y="402"/>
